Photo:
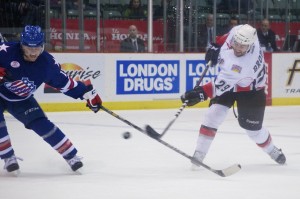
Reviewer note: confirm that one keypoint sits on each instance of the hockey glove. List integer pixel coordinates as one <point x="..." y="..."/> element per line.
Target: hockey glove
<point x="94" y="101"/>
<point x="212" y="54"/>
<point x="194" y="96"/>
<point x="4" y="76"/>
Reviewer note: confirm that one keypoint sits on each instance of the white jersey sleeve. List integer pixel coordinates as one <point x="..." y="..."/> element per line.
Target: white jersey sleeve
<point x="240" y="73"/>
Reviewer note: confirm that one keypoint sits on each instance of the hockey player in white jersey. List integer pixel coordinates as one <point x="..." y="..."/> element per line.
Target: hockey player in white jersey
<point x="242" y="79"/>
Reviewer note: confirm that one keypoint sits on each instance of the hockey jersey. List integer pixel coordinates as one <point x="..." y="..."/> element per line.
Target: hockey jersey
<point x="238" y="74"/>
<point x="24" y="78"/>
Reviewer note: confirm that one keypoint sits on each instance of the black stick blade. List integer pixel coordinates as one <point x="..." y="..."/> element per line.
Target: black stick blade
<point x="151" y="132"/>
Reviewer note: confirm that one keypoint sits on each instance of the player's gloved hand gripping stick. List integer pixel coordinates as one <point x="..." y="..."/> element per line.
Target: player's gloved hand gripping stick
<point x="190" y="98"/>
<point x="93" y="100"/>
<point x="4" y="75"/>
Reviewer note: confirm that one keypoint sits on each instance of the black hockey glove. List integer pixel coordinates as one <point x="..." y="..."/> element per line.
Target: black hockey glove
<point x="94" y="101"/>
<point x="212" y="54"/>
<point x="194" y="96"/>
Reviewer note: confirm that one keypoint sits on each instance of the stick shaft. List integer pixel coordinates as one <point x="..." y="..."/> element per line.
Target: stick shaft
<point x="185" y="102"/>
<point x="223" y="173"/>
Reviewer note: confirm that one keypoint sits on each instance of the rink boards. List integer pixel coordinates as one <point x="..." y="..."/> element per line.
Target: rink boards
<point x="149" y="81"/>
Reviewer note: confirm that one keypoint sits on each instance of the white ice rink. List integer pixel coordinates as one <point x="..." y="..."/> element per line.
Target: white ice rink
<point x="141" y="168"/>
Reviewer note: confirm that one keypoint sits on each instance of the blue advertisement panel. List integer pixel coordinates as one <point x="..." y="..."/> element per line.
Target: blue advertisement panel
<point x="194" y="70"/>
<point x="147" y="76"/>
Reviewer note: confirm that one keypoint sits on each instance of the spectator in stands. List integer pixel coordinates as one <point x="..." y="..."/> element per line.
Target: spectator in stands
<point x="206" y="33"/>
<point x="159" y="11"/>
<point x="132" y="43"/>
<point x="24" y="8"/>
<point x="70" y="4"/>
<point x="75" y="4"/>
<point x="266" y="37"/>
<point x="55" y="2"/>
<point x="24" y="12"/>
<point x="231" y="6"/>
<point x="233" y="21"/>
<point x="37" y="2"/>
<point x="135" y="10"/>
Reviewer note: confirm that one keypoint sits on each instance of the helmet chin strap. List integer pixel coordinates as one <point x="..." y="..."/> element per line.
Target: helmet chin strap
<point x="249" y="48"/>
<point x="43" y="48"/>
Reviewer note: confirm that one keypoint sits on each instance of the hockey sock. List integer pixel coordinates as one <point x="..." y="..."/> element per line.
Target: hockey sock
<point x="213" y="119"/>
<point x="54" y="136"/>
<point x="262" y="138"/>
<point x="6" y="149"/>
<point x="206" y="136"/>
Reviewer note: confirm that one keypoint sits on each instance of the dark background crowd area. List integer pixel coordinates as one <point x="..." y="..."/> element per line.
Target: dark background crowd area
<point x="15" y="14"/>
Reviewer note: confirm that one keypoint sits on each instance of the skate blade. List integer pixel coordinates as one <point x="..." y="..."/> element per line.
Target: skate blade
<point x="15" y="173"/>
<point x="79" y="171"/>
<point x="195" y="168"/>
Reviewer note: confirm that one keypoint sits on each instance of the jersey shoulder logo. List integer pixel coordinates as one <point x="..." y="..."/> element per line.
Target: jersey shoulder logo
<point x="22" y="88"/>
<point x="3" y="47"/>
<point x="15" y="64"/>
<point x="236" y="68"/>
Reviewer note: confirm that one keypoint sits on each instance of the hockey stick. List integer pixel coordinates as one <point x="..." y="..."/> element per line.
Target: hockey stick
<point x="169" y="124"/>
<point x="154" y="133"/>
<point x="223" y="173"/>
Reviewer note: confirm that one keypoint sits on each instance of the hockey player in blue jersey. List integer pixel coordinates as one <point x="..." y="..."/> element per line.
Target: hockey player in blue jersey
<point x="24" y="66"/>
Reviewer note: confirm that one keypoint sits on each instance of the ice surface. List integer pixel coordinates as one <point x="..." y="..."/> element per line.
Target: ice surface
<point x="141" y="168"/>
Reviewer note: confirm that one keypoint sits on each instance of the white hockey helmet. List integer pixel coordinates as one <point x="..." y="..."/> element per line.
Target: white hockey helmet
<point x="245" y="35"/>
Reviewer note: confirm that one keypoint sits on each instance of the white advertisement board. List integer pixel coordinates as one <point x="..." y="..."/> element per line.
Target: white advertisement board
<point x="131" y="77"/>
<point x="124" y="77"/>
<point x="81" y="67"/>
<point x="151" y="76"/>
<point x="286" y="75"/>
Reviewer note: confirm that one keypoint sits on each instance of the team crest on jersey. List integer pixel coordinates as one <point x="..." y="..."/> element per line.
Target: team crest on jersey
<point x="236" y="68"/>
<point x="15" y="64"/>
<point x="22" y="88"/>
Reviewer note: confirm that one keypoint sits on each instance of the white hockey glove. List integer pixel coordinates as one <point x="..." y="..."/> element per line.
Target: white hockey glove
<point x="94" y="101"/>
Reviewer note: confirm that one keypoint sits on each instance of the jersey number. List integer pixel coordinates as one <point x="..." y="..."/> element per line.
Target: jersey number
<point x="222" y="86"/>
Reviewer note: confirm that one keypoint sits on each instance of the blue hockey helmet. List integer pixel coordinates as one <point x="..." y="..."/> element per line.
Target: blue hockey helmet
<point x="32" y="36"/>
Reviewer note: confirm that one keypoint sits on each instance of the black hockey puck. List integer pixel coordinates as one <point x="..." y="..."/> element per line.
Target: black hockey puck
<point x="126" y="135"/>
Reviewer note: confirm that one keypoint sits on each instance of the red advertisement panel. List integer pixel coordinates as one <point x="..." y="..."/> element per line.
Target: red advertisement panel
<point x="268" y="60"/>
<point x="111" y="33"/>
<point x="280" y="29"/>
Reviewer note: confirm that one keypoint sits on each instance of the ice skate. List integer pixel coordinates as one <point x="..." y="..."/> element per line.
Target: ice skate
<point x="277" y="155"/>
<point x="11" y="165"/>
<point x="197" y="157"/>
<point x="75" y="163"/>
